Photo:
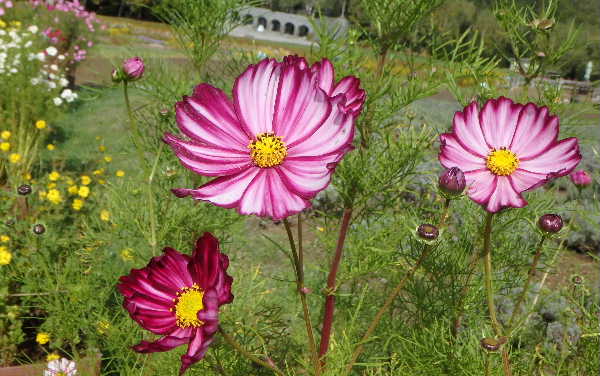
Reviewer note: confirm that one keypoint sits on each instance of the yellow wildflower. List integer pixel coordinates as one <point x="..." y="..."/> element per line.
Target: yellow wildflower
<point x="54" y="196"/>
<point x="5" y="256"/>
<point x="73" y="190"/>
<point x="84" y="191"/>
<point x="27" y="176"/>
<point x="98" y="172"/>
<point x="42" y="194"/>
<point x="2" y="24"/>
<point x="321" y="229"/>
<point x="77" y="204"/>
<point x="16" y="24"/>
<point x="54" y="176"/>
<point x="40" y="124"/>
<point x="50" y="147"/>
<point x="102" y="326"/>
<point x="102" y="148"/>
<point x="42" y="338"/>
<point x="85" y="180"/>
<point x="126" y="254"/>
<point x="51" y="185"/>
<point x="120" y="173"/>
<point x="52" y="356"/>
<point x="102" y="181"/>
<point x="4" y="238"/>
<point x="70" y="181"/>
<point x="108" y="158"/>
<point x="5" y="135"/>
<point x="105" y="215"/>
<point x="5" y="146"/>
<point x="14" y="158"/>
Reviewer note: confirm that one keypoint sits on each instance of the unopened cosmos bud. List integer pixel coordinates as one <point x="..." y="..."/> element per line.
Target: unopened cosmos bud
<point x="550" y="223"/>
<point x="39" y="229"/>
<point x="24" y="189"/>
<point x="427" y="231"/>
<point x="452" y="181"/>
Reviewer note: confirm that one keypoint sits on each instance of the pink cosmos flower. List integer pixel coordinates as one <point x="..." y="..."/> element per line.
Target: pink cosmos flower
<point x="178" y="296"/>
<point x="276" y="144"/>
<point x="505" y="149"/>
<point x="581" y="178"/>
<point x="133" y="68"/>
<point x="61" y="367"/>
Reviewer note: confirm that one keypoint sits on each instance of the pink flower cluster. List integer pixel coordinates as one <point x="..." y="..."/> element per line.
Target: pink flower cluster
<point x="7" y="4"/>
<point x="74" y="7"/>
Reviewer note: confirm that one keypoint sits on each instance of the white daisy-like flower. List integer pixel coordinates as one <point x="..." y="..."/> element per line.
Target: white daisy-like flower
<point x="62" y="367"/>
<point x="51" y="51"/>
<point x="33" y="29"/>
<point x="35" y="81"/>
<point x="63" y="82"/>
<point x="61" y="57"/>
<point x="54" y="67"/>
<point x="57" y="101"/>
<point x="40" y="56"/>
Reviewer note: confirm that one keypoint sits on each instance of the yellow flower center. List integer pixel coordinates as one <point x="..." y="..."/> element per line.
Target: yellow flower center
<point x="268" y="150"/>
<point x="502" y="161"/>
<point x="61" y="374"/>
<point x="187" y="305"/>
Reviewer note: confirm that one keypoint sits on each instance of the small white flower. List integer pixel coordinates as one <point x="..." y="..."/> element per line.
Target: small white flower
<point x="63" y="82"/>
<point x="54" y="67"/>
<point x="61" y="57"/>
<point x="57" y="101"/>
<point x="66" y="93"/>
<point x="52" y="76"/>
<point x="35" y="81"/>
<point x="28" y="44"/>
<point x="13" y="70"/>
<point x="40" y="56"/>
<point x="52" y="51"/>
<point x="52" y="85"/>
<point x="33" y="29"/>
<point x="61" y="366"/>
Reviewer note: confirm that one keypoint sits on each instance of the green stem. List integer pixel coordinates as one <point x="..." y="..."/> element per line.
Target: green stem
<point x="487" y="263"/>
<point x="230" y="340"/>
<point x="530" y="276"/>
<point x="153" y="240"/>
<point x="132" y="124"/>
<point x="299" y="267"/>
<point x="489" y="288"/>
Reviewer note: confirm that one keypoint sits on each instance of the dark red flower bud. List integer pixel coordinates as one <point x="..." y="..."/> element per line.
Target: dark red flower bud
<point x="550" y="223"/>
<point x="24" y="189"/>
<point x="39" y="229"/>
<point x="452" y="181"/>
<point x="577" y="279"/>
<point x="428" y="232"/>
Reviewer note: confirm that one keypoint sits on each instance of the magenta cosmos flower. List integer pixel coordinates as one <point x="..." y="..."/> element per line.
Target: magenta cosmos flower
<point x="581" y="178"/>
<point x="505" y="149"/>
<point x="61" y="367"/>
<point x="276" y="144"/>
<point x="178" y="296"/>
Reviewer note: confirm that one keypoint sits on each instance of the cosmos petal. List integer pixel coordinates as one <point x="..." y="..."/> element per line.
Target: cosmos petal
<point x="498" y="120"/>
<point x="254" y="95"/>
<point x="536" y="131"/>
<point x="453" y="154"/>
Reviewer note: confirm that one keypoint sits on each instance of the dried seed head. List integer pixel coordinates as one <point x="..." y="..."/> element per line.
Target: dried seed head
<point x="577" y="279"/>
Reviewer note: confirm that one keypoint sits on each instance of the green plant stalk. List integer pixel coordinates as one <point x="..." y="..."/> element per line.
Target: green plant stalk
<point x="489" y="288"/>
<point x="231" y="341"/>
<point x="137" y="144"/>
<point x="299" y="268"/>
<point x="530" y="276"/>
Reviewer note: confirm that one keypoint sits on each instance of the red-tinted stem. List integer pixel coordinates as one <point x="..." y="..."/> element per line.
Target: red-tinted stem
<point x="330" y="298"/>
